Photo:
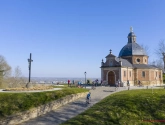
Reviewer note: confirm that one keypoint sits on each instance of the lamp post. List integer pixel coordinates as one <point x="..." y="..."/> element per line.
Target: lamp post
<point x="85" y="78"/>
<point x="164" y="61"/>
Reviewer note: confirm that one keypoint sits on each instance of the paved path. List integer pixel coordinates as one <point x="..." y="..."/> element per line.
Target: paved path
<point x="72" y="109"/>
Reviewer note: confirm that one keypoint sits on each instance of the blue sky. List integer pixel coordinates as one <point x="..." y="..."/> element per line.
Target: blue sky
<point x="68" y="37"/>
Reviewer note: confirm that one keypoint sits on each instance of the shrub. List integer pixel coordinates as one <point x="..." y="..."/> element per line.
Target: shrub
<point x="11" y="103"/>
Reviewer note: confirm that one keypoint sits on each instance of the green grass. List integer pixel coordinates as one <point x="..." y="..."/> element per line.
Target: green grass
<point x="64" y="86"/>
<point x="11" y="103"/>
<point x="125" y="108"/>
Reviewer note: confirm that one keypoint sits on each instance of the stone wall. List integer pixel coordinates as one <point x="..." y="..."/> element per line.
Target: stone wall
<point x="40" y="110"/>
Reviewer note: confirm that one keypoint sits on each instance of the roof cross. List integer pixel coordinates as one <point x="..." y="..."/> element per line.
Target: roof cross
<point x="110" y="51"/>
<point x="131" y="29"/>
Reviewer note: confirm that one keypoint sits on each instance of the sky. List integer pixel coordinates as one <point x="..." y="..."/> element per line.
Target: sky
<point x="68" y="37"/>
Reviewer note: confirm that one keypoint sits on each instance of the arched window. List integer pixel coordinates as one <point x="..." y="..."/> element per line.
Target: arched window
<point x="143" y="74"/>
<point x="124" y="73"/>
<point x="129" y="73"/>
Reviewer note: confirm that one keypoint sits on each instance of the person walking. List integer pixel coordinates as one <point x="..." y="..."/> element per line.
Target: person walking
<point x="139" y="83"/>
<point x="78" y="84"/>
<point x="68" y="82"/>
<point x="73" y="82"/>
<point x="88" y="98"/>
<point x="88" y="82"/>
<point x="101" y="83"/>
<point x="119" y="83"/>
<point x="116" y="85"/>
<point x="93" y="85"/>
<point x="128" y="84"/>
<point x="97" y="82"/>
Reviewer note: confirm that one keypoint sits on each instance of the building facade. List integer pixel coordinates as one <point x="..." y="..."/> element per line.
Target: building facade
<point x="131" y="64"/>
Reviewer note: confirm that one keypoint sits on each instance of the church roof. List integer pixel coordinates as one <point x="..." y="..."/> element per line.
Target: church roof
<point x="132" y="49"/>
<point x="125" y="62"/>
<point x="145" y="66"/>
<point x="131" y="34"/>
<point x="110" y="55"/>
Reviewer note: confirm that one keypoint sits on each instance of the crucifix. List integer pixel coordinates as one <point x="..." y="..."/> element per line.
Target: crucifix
<point x="30" y="60"/>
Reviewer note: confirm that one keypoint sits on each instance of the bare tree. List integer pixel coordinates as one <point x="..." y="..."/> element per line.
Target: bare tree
<point x="4" y="67"/>
<point x="16" y="77"/>
<point x="158" y="63"/>
<point x="5" y="71"/>
<point x="146" y="48"/>
<point x="160" y="49"/>
<point x="17" y="72"/>
<point x="160" y="52"/>
<point x="17" y="80"/>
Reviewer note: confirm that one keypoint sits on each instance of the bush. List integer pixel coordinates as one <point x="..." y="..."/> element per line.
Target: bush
<point x="11" y="103"/>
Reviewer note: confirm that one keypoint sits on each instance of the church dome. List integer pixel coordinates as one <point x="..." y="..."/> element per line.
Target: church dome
<point x="131" y="34"/>
<point x="132" y="49"/>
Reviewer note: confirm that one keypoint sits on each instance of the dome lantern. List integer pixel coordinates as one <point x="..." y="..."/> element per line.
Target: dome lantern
<point x="131" y="36"/>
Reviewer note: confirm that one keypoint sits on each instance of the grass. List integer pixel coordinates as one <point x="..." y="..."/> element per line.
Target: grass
<point x="125" y="108"/>
<point x="65" y="86"/>
<point x="11" y="103"/>
<point x="56" y="86"/>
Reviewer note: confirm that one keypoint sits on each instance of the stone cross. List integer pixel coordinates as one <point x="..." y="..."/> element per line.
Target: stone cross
<point x="29" y="61"/>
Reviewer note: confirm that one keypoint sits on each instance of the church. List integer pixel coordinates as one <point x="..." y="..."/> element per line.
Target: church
<point x="131" y="64"/>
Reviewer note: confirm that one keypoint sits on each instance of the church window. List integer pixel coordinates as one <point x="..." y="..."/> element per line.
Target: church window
<point x="124" y="73"/>
<point x="156" y="74"/>
<point x="129" y="73"/>
<point x="143" y="73"/>
<point x="111" y="63"/>
<point x="138" y="60"/>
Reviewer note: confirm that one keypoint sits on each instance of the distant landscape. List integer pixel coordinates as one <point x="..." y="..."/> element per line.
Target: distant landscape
<point x="58" y="79"/>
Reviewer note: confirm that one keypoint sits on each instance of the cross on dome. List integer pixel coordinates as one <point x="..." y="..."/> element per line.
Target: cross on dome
<point x="131" y="29"/>
<point x="110" y="51"/>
